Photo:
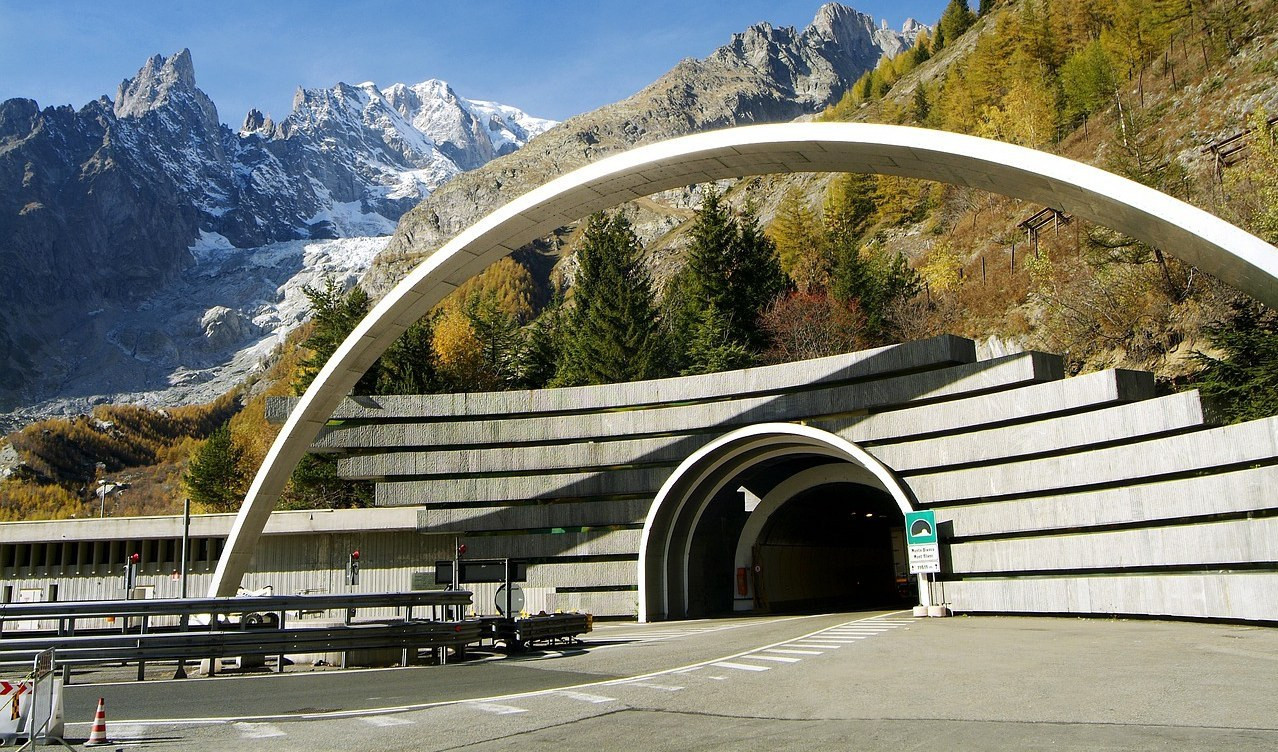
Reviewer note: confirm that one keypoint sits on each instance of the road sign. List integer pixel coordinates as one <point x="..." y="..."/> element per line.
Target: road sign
<point x="920" y="537"/>
<point x="480" y="570"/>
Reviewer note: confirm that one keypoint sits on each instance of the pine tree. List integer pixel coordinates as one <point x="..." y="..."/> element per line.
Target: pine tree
<point x="710" y="348"/>
<point x="501" y="342"/>
<point x="408" y="365"/>
<point x="733" y="266"/>
<point x="335" y="314"/>
<point x="985" y="7"/>
<point x="1243" y="384"/>
<point x="215" y="479"/>
<point x="544" y="348"/>
<point x="955" y="19"/>
<point x="613" y="333"/>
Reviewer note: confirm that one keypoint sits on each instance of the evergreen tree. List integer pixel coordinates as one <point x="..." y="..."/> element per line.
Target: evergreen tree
<point x="316" y="485"/>
<point x="709" y="348"/>
<point x="1243" y="384"/>
<point x="335" y="313"/>
<point x="985" y="7"/>
<point x="408" y="365"/>
<point x="955" y="19"/>
<point x="541" y="357"/>
<point x="733" y="266"/>
<point x="613" y="334"/>
<point x="501" y="342"/>
<point x="214" y="479"/>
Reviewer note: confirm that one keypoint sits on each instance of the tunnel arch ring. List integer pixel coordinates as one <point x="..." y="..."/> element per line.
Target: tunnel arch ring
<point x="1181" y="230"/>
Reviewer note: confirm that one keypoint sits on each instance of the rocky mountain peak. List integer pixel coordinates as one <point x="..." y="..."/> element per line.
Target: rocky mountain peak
<point x="257" y="123"/>
<point x="159" y="84"/>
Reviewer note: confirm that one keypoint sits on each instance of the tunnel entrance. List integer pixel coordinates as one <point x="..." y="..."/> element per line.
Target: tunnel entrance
<point x="787" y="536"/>
<point x="776" y="517"/>
<point x="835" y="547"/>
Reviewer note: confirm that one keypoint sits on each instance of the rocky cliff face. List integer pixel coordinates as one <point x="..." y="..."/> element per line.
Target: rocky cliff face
<point x="106" y="207"/>
<point x="764" y="74"/>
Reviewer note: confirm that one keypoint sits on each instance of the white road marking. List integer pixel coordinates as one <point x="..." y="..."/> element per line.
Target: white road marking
<point x="585" y="696"/>
<point x="654" y="685"/>
<point x="258" y="730"/>
<point x="740" y="666"/>
<point x="777" y="658"/>
<point x="122" y="732"/>
<point x="341" y="714"/>
<point x="849" y="638"/>
<point x="383" y="721"/>
<point x="820" y="645"/>
<point x="492" y="707"/>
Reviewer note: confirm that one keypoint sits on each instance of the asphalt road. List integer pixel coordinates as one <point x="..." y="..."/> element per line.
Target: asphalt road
<point x="846" y="681"/>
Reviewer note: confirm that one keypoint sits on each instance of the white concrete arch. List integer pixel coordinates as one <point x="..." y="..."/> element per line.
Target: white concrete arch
<point x="1160" y="220"/>
<point x="665" y="544"/>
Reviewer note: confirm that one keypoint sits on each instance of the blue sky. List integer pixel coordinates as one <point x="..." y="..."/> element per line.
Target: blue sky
<point x="552" y="58"/>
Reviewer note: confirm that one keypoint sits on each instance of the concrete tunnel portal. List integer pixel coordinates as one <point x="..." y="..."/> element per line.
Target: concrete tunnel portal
<point x="778" y="518"/>
<point x="673" y="527"/>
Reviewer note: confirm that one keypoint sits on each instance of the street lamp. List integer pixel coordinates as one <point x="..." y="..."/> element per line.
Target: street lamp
<point x="106" y="487"/>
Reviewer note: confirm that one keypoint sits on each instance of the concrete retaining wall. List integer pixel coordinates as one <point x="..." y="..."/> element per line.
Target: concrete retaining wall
<point x="1092" y="478"/>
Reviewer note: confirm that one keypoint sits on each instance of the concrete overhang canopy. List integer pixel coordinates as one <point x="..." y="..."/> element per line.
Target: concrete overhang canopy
<point x="1181" y="230"/>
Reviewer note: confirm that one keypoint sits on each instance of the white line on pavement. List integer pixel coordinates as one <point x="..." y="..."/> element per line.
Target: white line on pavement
<point x="585" y="696"/>
<point x="258" y="730"/>
<point x="653" y="685"/>
<point x="383" y="721"/>
<point x="363" y="712"/>
<point x="777" y="658"/>
<point x="492" y="707"/>
<point x="740" y="666"/>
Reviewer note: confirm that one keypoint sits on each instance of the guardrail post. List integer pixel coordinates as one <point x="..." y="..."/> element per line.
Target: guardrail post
<point x="142" y="663"/>
<point x="280" y="657"/>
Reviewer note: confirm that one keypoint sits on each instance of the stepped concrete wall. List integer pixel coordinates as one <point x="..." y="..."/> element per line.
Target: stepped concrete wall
<point x="1055" y="495"/>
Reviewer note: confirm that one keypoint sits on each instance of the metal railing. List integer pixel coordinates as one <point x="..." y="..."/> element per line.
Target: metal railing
<point x="221" y="637"/>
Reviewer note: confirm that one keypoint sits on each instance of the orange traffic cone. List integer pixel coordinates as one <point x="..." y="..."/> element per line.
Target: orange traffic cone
<point x="97" y="736"/>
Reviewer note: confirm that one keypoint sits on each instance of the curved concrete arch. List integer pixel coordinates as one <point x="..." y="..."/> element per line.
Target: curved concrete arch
<point x="665" y="543"/>
<point x="1160" y="220"/>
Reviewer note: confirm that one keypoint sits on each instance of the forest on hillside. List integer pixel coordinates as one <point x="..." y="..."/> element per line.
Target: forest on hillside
<point x="778" y="269"/>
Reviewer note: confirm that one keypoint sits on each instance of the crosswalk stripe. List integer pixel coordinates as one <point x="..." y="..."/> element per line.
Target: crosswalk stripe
<point x="258" y="730"/>
<point x="654" y="685"/>
<point x="821" y="645"/>
<point x="790" y="651"/>
<point x="741" y="666"/>
<point x="492" y="707"/>
<point x="384" y="721"/>
<point x="585" y="696"/>
<point x="777" y="658"/>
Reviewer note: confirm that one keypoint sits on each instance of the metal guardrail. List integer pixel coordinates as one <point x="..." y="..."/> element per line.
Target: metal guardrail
<point x="117" y="648"/>
<point x="231" y="605"/>
<point x="222" y="637"/>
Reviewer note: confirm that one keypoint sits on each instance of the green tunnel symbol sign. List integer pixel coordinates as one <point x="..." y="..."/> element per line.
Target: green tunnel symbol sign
<point x="920" y="527"/>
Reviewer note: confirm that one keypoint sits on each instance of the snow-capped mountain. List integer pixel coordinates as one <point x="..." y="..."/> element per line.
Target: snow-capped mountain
<point x="104" y="208"/>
